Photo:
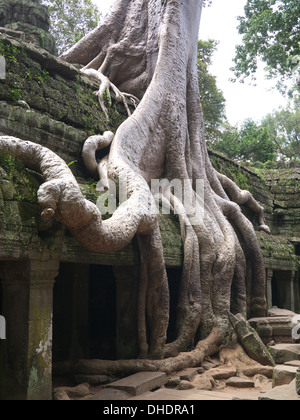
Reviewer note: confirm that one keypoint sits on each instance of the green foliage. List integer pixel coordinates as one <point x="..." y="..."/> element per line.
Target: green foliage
<point x="10" y="52"/>
<point x="233" y="171"/>
<point x="25" y="185"/>
<point x="277" y="137"/>
<point x="40" y="76"/>
<point x="89" y="191"/>
<point x="11" y="165"/>
<point x="212" y="98"/>
<point x="107" y="99"/>
<point x="284" y="128"/>
<point x="72" y="163"/>
<point x="252" y="142"/>
<point x="16" y="94"/>
<point x="271" y="33"/>
<point x="71" y="20"/>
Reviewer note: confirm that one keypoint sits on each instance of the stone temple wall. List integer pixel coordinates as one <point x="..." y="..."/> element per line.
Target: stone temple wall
<point x="28" y="20"/>
<point x="48" y="281"/>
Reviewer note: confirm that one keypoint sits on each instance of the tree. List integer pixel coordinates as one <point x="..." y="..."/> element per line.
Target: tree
<point x="256" y="143"/>
<point x="252" y="142"/>
<point x="271" y="32"/>
<point x="283" y="126"/>
<point x="212" y="98"/>
<point x="149" y="50"/>
<point x="71" y="20"/>
<point x="229" y="143"/>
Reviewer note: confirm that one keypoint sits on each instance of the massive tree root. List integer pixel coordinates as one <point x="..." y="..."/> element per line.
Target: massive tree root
<point x="149" y="49"/>
<point x="193" y="358"/>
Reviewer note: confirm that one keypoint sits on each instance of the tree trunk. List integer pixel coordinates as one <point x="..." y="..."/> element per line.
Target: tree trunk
<point x="148" y="48"/>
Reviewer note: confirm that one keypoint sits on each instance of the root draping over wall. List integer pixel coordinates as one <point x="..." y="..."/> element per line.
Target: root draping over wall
<point x="148" y="50"/>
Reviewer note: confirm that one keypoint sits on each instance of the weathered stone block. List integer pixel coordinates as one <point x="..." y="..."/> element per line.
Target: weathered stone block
<point x="140" y="382"/>
<point x="203" y="382"/>
<point x="285" y="352"/>
<point x="283" y="375"/>
<point x="250" y="340"/>
<point x="278" y="329"/>
<point x="222" y="372"/>
<point x="185" y="385"/>
<point x="240" y="382"/>
<point x="187" y="374"/>
<point x="281" y="393"/>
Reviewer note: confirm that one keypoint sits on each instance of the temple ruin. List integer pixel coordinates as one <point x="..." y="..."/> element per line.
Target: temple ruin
<point x="60" y="301"/>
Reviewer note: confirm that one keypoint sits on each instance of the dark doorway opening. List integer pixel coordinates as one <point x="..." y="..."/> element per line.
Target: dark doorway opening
<point x="174" y="278"/>
<point x="102" y="312"/>
<point x="84" y="312"/>
<point x="281" y="289"/>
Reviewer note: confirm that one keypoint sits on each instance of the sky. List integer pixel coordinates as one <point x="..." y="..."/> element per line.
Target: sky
<point x="219" y="22"/>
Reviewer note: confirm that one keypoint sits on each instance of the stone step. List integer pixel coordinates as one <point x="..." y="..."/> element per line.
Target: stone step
<point x="238" y="382"/>
<point x="140" y="383"/>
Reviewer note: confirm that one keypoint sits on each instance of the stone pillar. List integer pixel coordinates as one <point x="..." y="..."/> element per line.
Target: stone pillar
<point x="26" y="372"/>
<point x="293" y="288"/>
<point x="269" y="287"/>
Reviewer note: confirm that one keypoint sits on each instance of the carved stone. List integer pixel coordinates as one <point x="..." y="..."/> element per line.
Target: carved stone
<point x="250" y="340"/>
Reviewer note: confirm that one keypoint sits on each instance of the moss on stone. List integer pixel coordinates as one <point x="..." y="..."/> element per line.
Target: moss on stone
<point x="233" y="171"/>
<point x="38" y="81"/>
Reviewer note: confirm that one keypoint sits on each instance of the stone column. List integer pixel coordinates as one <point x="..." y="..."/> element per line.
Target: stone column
<point x="26" y="372"/>
<point x="269" y="287"/>
<point x="293" y="287"/>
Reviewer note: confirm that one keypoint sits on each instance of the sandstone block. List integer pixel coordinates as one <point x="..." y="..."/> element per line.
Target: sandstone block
<point x="140" y="382"/>
<point x="238" y="382"/>
<point x="283" y="375"/>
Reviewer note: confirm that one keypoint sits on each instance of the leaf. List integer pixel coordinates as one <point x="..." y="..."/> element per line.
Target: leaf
<point x="72" y="162"/>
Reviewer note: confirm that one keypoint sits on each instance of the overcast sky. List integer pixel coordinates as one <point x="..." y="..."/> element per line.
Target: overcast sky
<point x="219" y="22"/>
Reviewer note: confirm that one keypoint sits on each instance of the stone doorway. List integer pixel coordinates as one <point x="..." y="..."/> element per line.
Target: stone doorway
<point x="84" y="312"/>
<point x="283" y="289"/>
